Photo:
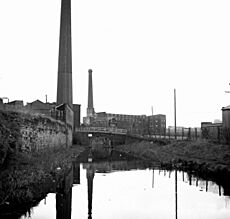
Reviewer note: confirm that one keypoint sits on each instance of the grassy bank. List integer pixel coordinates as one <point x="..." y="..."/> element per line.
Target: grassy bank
<point x="26" y="178"/>
<point x="200" y="156"/>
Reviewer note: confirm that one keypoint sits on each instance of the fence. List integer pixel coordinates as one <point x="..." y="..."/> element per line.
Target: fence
<point x="213" y="132"/>
<point x="181" y="134"/>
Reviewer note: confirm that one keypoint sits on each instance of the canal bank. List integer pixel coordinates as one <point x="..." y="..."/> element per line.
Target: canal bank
<point x="202" y="157"/>
<point x="117" y="187"/>
<point x="30" y="178"/>
<point x="27" y="178"/>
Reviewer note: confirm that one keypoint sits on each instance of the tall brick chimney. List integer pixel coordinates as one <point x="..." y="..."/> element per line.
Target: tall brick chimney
<point x="90" y="109"/>
<point x="64" y="84"/>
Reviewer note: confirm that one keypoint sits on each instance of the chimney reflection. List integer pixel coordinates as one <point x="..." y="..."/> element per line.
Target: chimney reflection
<point x="76" y="173"/>
<point x="64" y="196"/>
<point x="63" y="205"/>
<point x="64" y="192"/>
<point x="90" y="175"/>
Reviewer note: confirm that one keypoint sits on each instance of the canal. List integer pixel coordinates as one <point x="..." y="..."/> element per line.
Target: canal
<point x="126" y="188"/>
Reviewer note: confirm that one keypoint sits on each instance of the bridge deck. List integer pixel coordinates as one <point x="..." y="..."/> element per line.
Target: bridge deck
<point x="108" y="130"/>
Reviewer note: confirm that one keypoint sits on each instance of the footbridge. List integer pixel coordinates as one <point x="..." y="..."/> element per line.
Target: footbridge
<point x="117" y="136"/>
<point x="105" y="130"/>
<point x="82" y="135"/>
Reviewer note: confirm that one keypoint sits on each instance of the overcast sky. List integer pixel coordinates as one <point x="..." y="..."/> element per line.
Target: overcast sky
<point x="139" y="51"/>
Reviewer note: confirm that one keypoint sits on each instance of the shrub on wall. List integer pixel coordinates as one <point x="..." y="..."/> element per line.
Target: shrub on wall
<point x="9" y="134"/>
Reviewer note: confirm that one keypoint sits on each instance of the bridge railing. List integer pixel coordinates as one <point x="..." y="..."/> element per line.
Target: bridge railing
<point x="102" y="130"/>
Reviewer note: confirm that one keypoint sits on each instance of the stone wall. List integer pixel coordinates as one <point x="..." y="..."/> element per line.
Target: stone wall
<point x="44" y="134"/>
<point x="32" y="132"/>
<point x="64" y="113"/>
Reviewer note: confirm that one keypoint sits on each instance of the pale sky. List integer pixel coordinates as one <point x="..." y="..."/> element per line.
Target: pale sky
<point x="139" y="51"/>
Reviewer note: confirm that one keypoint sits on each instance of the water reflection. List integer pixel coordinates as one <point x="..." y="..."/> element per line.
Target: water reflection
<point x="204" y="185"/>
<point x="176" y="193"/>
<point x="106" y="167"/>
<point x="63" y="204"/>
<point x="64" y="194"/>
<point x="76" y="172"/>
<point x="90" y="175"/>
<point x="138" y="191"/>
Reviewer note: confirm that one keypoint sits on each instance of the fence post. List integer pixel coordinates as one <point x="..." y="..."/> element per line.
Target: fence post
<point x="196" y="133"/>
<point x="169" y="133"/>
<point x="218" y="134"/>
<point x="182" y="133"/>
<point x="189" y="133"/>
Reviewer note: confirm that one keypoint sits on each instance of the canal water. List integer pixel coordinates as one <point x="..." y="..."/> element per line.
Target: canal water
<point x="132" y="190"/>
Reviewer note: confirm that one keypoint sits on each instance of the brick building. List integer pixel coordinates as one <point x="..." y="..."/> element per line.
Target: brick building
<point x="135" y="124"/>
<point x="12" y="106"/>
<point x="157" y="124"/>
<point x="40" y="107"/>
<point x="77" y="115"/>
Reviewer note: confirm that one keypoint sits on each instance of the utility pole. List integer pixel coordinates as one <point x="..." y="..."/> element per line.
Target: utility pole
<point x="175" y="112"/>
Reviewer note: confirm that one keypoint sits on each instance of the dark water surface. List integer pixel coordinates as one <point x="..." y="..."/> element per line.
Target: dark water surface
<point x="130" y="189"/>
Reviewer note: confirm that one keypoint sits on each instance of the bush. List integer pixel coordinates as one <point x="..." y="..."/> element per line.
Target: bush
<point x="9" y="134"/>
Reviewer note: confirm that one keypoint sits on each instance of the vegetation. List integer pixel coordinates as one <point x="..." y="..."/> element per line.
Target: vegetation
<point x="9" y="134"/>
<point x="27" y="178"/>
<point x="200" y="156"/>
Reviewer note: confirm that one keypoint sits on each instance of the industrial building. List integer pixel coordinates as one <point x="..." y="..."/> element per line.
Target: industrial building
<point x="12" y="106"/>
<point x="226" y="123"/>
<point x="157" y="124"/>
<point x="135" y="124"/>
<point x="40" y="107"/>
